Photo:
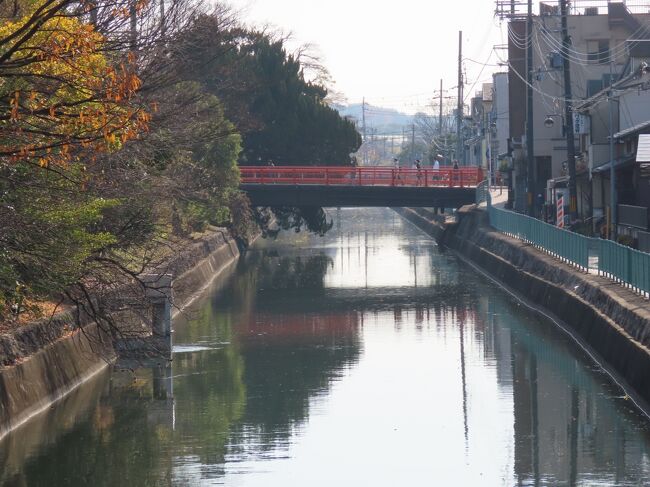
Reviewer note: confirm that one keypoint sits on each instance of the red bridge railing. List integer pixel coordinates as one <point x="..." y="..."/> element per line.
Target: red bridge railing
<point x="362" y="176"/>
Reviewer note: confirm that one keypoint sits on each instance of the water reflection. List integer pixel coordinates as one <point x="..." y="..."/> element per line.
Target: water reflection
<point x="366" y="357"/>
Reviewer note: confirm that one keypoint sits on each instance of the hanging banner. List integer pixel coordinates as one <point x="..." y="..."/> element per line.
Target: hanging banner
<point x="560" y="212"/>
<point x="580" y="124"/>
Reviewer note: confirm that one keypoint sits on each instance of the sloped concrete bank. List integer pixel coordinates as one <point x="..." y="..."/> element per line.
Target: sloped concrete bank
<point x="42" y="362"/>
<point x="612" y="322"/>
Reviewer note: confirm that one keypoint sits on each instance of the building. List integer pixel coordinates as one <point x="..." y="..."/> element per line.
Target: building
<point x="627" y="104"/>
<point x="477" y="127"/>
<point x="499" y="118"/>
<point x="599" y="53"/>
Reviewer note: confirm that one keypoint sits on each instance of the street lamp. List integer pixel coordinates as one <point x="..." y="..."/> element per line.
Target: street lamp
<point x="549" y="121"/>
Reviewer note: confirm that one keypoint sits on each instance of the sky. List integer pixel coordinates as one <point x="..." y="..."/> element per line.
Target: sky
<point x="392" y="52"/>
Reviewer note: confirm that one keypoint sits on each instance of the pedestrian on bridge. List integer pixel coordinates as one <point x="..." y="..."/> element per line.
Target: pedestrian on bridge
<point x="456" y="175"/>
<point x="436" y="162"/>
<point x="418" y="166"/>
<point x="436" y="167"/>
<point x="396" y="171"/>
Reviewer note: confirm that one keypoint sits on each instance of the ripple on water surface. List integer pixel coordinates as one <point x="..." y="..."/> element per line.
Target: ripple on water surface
<point x="366" y="357"/>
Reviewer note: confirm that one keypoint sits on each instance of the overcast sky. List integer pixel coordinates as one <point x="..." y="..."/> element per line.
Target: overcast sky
<point x="393" y="52"/>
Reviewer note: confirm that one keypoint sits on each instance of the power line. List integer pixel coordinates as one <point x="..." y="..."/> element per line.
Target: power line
<point x="469" y="92"/>
<point x="482" y="63"/>
<point x="541" y="92"/>
<point x="584" y="58"/>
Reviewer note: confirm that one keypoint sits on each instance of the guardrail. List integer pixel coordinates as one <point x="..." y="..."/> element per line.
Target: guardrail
<point x="463" y="177"/>
<point x="644" y="241"/>
<point x="482" y="192"/>
<point x="622" y="264"/>
<point x="625" y="265"/>
<point x="569" y="247"/>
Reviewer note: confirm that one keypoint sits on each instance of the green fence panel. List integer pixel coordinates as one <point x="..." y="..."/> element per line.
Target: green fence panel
<point x="571" y="247"/>
<point x="482" y="193"/>
<point x="623" y="264"/>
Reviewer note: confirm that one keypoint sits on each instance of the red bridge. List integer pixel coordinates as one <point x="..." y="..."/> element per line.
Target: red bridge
<point x="464" y="177"/>
<point x="361" y="186"/>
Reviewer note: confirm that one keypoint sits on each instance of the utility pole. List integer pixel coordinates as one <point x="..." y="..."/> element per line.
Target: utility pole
<point x="440" y="111"/>
<point x="413" y="142"/>
<point x="488" y="133"/>
<point x="363" y="118"/>
<point x="530" y="141"/>
<point x="613" y="200"/>
<point x="459" y="108"/>
<point x="568" y="116"/>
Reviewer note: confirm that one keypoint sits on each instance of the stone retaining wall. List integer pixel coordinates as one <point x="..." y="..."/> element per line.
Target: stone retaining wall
<point x="42" y="362"/>
<point x="610" y="320"/>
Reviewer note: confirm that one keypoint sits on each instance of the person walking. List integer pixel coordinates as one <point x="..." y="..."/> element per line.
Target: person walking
<point x="437" y="179"/>
<point x="396" y="171"/>
<point x="436" y="162"/>
<point x="418" y="167"/>
<point x="436" y="168"/>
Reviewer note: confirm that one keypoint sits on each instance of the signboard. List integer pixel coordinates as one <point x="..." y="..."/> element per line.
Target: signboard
<point x="580" y="124"/>
<point x="560" y="212"/>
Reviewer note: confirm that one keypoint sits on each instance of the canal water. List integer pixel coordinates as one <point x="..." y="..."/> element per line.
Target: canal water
<point x="368" y="357"/>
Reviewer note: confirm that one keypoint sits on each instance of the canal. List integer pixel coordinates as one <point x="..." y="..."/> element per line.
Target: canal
<point x="368" y="357"/>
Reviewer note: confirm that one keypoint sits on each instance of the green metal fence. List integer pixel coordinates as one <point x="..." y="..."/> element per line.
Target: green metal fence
<point x="482" y="193"/>
<point x="622" y="264"/>
<point x="570" y="247"/>
<point x="625" y="265"/>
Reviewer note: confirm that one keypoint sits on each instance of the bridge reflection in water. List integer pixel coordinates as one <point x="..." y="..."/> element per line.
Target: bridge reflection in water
<point x="368" y="357"/>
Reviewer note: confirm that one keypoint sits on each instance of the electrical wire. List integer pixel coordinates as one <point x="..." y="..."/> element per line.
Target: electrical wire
<point x="583" y="58"/>
<point x="541" y="34"/>
<point x="520" y="41"/>
<point x="469" y="92"/>
<point x="523" y="45"/>
<point x="543" y="93"/>
<point x="481" y="63"/>
<point x="614" y="51"/>
<point x="621" y="47"/>
<point x="550" y="109"/>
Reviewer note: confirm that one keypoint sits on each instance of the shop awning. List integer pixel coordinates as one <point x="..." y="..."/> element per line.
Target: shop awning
<point x="618" y="164"/>
<point x="632" y="130"/>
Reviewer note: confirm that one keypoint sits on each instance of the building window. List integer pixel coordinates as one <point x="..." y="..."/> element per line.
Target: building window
<point x="598" y="51"/>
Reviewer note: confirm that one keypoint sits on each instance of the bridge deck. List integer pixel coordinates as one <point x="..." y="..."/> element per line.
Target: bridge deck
<point x="445" y="177"/>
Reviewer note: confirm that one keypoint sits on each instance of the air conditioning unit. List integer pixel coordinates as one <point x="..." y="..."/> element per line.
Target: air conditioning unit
<point x="591" y="11"/>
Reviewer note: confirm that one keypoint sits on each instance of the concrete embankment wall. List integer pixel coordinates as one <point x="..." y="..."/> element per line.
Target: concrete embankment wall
<point x="611" y="321"/>
<point x="42" y="362"/>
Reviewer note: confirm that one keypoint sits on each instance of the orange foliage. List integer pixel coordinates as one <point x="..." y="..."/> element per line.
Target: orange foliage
<point x="67" y="96"/>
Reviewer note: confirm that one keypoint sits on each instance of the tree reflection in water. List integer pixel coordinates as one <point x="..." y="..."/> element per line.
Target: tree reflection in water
<point x="259" y="357"/>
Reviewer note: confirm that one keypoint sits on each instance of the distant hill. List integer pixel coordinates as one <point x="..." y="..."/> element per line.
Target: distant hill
<point x="385" y="120"/>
